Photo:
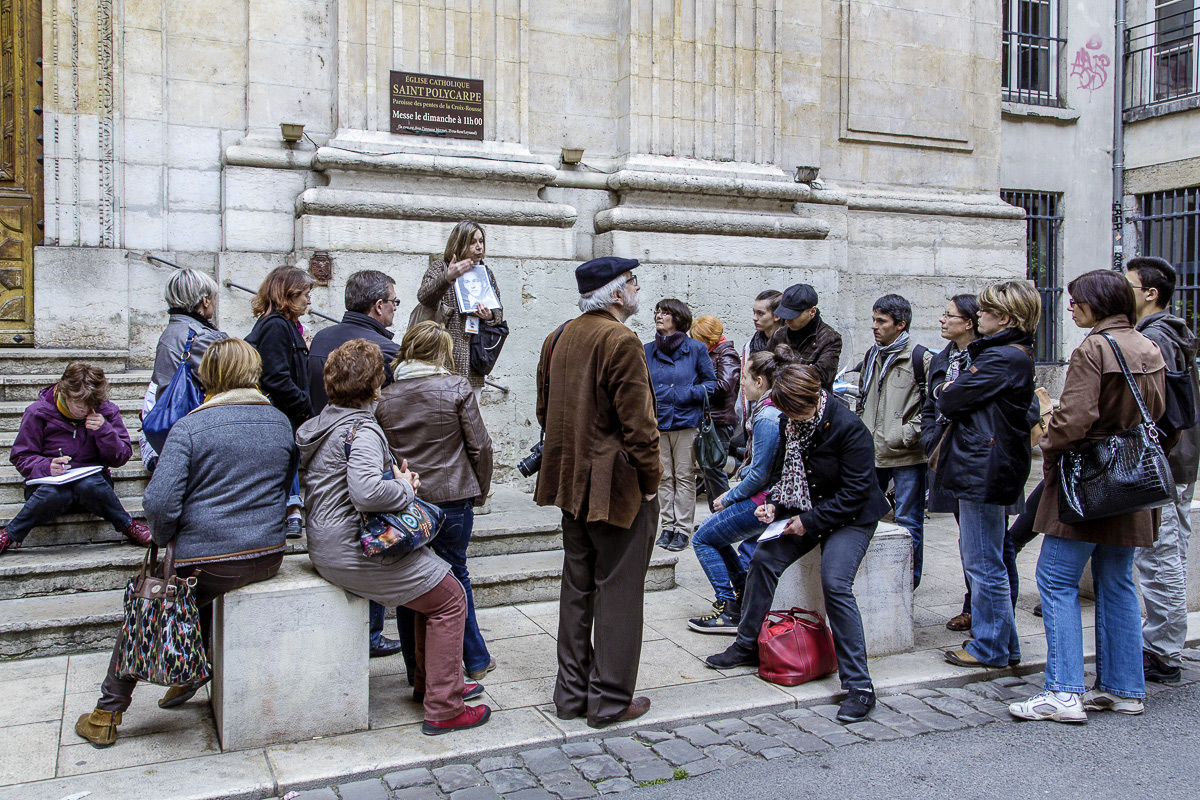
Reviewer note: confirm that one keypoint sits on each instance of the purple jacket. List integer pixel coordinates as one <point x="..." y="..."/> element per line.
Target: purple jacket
<point x="44" y="430"/>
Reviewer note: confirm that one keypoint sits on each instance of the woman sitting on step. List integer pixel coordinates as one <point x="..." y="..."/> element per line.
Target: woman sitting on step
<point x="72" y="424"/>
<point x="346" y="458"/>
<point x="218" y="494"/>
<point x="735" y="521"/>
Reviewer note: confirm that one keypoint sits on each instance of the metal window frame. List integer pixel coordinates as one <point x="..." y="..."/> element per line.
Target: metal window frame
<point x="1147" y="52"/>
<point x="1043" y="237"/>
<point x="1022" y="49"/>
<point x="1169" y="227"/>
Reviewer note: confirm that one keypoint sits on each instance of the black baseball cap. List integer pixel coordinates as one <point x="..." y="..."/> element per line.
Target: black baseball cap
<point x="796" y="299"/>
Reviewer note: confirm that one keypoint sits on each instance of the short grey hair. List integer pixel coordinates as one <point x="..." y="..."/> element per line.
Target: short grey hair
<point x="365" y="288"/>
<point x="599" y="299"/>
<point x="187" y="288"/>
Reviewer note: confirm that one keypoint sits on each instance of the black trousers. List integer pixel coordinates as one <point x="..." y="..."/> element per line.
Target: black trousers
<point x="600" y="612"/>
<point x="841" y="553"/>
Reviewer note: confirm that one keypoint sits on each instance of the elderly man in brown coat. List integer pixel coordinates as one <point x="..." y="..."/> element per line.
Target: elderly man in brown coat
<point x="601" y="466"/>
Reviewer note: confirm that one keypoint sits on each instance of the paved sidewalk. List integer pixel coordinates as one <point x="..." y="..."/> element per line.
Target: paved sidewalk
<point x="175" y="754"/>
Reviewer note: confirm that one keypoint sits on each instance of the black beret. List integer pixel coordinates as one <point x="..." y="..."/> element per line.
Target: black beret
<point x="595" y="273"/>
<point x="796" y="299"/>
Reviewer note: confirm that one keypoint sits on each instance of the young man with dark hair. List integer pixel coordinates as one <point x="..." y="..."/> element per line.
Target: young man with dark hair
<point x="891" y="393"/>
<point x="1162" y="568"/>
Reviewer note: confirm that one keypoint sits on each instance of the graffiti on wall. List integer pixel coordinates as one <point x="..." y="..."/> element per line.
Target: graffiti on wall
<point x="1090" y="66"/>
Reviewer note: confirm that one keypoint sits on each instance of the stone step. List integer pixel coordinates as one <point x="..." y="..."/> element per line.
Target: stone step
<point x="12" y="410"/>
<point x="26" y="388"/>
<point x="53" y="360"/>
<point x="129" y="481"/>
<point x="6" y="443"/>
<point x="60" y="624"/>
<point x="71" y="529"/>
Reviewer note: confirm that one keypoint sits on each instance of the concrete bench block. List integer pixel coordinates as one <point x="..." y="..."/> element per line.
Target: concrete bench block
<point x="883" y="589"/>
<point x="290" y="660"/>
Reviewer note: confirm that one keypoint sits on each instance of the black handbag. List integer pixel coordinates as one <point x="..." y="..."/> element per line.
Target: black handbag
<point x="1120" y="474"/>
<point x="708" y="448"/>
<point x="486" y="346"/>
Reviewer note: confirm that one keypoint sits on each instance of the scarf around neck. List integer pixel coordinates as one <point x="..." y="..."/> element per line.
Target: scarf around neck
<point x="233" y="397"/>
<point x="890" y="353"/>
<point x="417" y="369"/>
<point x="792" y="491"/>
<point x="670" y="343"/>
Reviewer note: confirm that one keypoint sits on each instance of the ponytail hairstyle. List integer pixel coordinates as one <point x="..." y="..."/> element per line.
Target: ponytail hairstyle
<point x="766" y="364"/>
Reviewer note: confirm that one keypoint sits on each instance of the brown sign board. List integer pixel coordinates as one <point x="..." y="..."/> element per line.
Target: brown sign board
<point x="436" y="105"/>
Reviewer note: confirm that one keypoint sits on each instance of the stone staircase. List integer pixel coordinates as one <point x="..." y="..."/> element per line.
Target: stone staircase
<point x="60" y="593"/>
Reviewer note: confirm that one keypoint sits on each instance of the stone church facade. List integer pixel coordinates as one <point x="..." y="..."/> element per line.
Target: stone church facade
<point x="160" y="125"/>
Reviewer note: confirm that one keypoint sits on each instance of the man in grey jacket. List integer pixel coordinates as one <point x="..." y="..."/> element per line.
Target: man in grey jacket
<point x="1162" y="569"/>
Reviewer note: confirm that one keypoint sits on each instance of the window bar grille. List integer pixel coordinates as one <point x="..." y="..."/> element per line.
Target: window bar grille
<point x="1043" y="223"/>
<point x="1031" y="52"/>
<point x="1170" y="228"/>
<point x="1162" y="56"/>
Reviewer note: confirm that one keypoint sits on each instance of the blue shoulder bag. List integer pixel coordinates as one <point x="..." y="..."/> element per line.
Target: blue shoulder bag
<point x="181" y="397"/>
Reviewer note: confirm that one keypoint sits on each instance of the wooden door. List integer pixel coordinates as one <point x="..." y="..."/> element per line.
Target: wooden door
<point x="21" y="215"/>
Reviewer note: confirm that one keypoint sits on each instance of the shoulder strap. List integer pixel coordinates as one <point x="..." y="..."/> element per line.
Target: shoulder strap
<point x="1137" y="395"/>
<point x="918" y="362"/>
<point x="187" y="347"/>
<point x="549" y="358"/>
<point x="349" y="437"/>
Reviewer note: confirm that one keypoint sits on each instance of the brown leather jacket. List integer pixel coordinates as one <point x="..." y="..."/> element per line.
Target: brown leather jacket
<point x="434" y="422"/>
<point x="727" y="364"/>
<point x="1095" y="403"/>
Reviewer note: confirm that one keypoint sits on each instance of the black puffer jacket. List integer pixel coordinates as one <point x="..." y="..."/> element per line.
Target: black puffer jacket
<point x="841" y="473"/>
<point x="985" y="458"/>
<point x="284" y="366"/>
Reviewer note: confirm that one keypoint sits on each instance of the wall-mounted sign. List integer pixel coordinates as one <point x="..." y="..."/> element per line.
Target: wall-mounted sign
<point x="435" y="105"/>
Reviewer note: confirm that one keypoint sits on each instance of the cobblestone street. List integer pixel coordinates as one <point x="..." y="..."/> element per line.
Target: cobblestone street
<point x="620" y="763"/>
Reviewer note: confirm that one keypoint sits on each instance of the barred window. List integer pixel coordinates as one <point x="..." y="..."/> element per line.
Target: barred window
<point x="1043" y="223"/>
<point x="1170" y="229"/>
<point x="1163" y="55"/>
<point x="1030" y="51"/>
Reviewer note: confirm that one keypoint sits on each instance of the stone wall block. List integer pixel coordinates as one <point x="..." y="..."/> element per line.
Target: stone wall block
<point x="59" y="275"/>
<point x="260" y="231"/>
<point x="143" y="95"/>
<point x="202" y="59"/>
<point x="143" y="186"/>
<point x="883" y="589"/>
<point x="199" y="104"/>
<point x="194" y="231"/>
<point x="143" y="229"/>
<point x="252" y="189"/>
<point x="194" y="189"/>
<point x="145" y="141"/>
<point x="199" y="19"/>
<point x="193" y="146"/>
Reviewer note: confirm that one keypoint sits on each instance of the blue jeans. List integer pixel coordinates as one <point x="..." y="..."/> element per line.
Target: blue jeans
<point x="981" y="543"/>
<point x="910" y="507"/>
<point x="44" y="503"/>
<point x="294" y="500"/>
<point x="1118" y="618"/>
<point x="714" y="542"/>
<point x="451" y="544"/>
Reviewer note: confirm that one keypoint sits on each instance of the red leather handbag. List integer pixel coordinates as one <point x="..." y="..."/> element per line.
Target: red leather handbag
<point x="795" y="647"/>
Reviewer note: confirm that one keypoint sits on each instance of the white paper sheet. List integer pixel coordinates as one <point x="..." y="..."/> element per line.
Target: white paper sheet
<point x="774" y="530"/>
<point x="70" y="476"/>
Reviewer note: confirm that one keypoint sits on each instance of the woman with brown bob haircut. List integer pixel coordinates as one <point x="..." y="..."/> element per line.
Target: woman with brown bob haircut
<point x="279" y="338"/>
<point x="824" y="481"/>
<point x="349" y="472"/>
<point x="465" y="249"/>
<point x="1096" y="401"/>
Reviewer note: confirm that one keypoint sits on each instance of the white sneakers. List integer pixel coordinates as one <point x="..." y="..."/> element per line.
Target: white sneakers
<point x="1097" y="700"/>
<point x="1052" y="706"/>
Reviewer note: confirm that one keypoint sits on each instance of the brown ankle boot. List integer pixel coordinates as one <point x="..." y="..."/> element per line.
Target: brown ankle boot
<point x="99" y="727"/>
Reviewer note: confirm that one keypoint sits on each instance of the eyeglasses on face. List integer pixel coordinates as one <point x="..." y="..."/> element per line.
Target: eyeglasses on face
<point x="632" y="281"/>
<point x="953" y="316"/>
<point x="395" y="301"/>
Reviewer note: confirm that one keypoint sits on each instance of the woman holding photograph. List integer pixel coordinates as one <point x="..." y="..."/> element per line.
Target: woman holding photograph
<point x="464" y="251"/>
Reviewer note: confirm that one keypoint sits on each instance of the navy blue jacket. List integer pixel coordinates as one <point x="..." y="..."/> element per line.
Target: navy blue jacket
<point x="680" y="383"/>
<point x="986" y="456"/>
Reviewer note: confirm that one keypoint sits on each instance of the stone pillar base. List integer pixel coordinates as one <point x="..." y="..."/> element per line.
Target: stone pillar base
<point x="883" y="589"/>
<point x="289" y="660"/>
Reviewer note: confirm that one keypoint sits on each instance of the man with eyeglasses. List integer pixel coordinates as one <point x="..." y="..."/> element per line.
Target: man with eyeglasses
<point x="370" y="310"/>
<point x="600" y="466"/>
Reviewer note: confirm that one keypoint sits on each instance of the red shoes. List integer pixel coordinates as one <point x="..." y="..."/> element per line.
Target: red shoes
<point x="471" y="717"/>
<point x="138" y="532"/>
<point x="6" y="541"/>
